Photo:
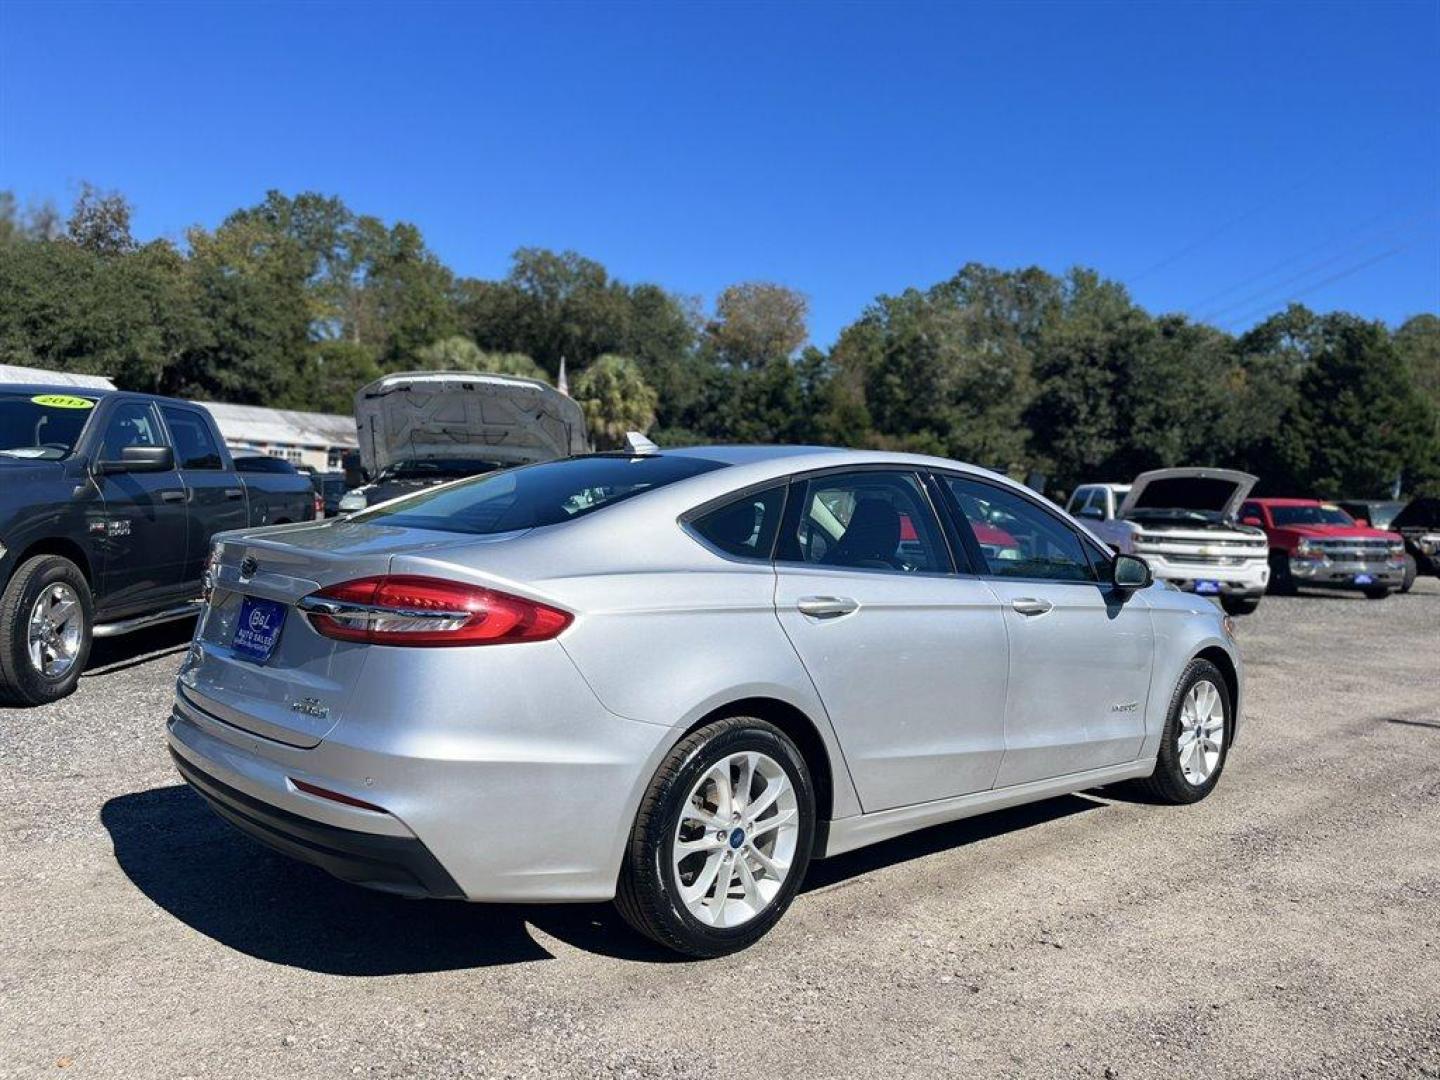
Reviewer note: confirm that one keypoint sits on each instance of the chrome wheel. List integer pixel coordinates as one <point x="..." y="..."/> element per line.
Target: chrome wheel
<point x="56" y="627"/>
<point x="1202" y="732"/>
<point x="735" y="842"/>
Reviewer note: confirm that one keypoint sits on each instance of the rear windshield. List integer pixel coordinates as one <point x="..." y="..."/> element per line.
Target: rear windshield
<point x="42" y="425"/>
<point x="536" y="495"/>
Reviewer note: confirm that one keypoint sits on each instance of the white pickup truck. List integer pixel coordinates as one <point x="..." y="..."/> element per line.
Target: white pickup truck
<point x="1182" y="522"/>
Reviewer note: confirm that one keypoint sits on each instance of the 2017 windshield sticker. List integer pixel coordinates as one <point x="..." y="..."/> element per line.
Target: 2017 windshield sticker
<point x="63" y="401"/>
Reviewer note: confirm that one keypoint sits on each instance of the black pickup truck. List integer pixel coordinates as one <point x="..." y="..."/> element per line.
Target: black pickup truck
<point x="108" y="502"/>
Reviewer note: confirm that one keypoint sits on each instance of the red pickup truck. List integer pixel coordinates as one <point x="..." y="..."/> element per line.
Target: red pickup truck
<point x="1317" y="543"/>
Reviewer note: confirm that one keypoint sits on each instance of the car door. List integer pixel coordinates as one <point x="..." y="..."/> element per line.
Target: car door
<point x="143" y="532"/>
<point x="908" y="656"/>
<point x="214" y="492"/>
<point x="1080" y="652"/>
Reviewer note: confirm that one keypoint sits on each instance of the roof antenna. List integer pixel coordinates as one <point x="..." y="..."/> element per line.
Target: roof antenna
<point x="638" y="444"/>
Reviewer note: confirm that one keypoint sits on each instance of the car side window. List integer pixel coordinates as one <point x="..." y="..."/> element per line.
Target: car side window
<point x="133" y="423"/>
<point x="1017" y="537"/>
<point x="195" y="447"/>
<point x="872" y="520"/>
<point x="1093" y="505"/>
<point x="745" y="526"/>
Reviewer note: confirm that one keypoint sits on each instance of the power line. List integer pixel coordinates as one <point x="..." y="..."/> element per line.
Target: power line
<point x="1266" y="309"/>
<point x="1209" y="299"/>
<point x="1329" y="260"/>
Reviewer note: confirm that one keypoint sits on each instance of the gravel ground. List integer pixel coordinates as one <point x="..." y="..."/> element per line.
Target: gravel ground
<point x="1287" y="926"/>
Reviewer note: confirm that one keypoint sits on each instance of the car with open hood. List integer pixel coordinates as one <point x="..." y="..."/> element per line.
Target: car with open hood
<point x="419" y="429"/>
<point x="1182" y="521"/>
<point x="1316" y="543"/>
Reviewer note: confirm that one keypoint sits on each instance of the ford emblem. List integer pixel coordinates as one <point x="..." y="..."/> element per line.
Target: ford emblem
<point x="249" y="567"/>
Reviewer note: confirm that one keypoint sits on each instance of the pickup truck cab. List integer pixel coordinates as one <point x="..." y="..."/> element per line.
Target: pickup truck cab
<point x="1182" y="522"/>
<point x="1317" y="543"/>
<point x="108" y="502"/>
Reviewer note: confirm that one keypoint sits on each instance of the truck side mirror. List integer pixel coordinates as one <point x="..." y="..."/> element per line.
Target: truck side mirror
<point x="1364" y="523"/>
<point x="140" y="459"/>
<point x="1252" y="520"/>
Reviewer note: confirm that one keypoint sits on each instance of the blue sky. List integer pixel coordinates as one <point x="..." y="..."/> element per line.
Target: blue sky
<point x="1218" y="158"/>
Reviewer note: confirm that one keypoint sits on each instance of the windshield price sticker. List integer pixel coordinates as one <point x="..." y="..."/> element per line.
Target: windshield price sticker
<point x="62" y="401"/>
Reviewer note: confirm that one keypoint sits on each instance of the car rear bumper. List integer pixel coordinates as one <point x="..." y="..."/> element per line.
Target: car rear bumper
<point x="525" y="794"/>
<point x="398" y="864"/>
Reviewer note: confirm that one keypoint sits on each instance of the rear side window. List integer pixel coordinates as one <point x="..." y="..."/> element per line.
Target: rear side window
<point x="744" y="527"/>
<point x="1017" y="537"/>
<point x="868" y="520"/>
<point x="195" y="447"/>
<point x="537" y="495"/>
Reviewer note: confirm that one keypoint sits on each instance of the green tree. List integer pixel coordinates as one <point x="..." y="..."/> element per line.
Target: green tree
<point x="616" y="400"/>
<point x="756" y="322"/>
<point x="462" y="354"/>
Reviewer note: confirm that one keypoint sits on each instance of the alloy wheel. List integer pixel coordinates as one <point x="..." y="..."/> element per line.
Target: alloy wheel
<point x="56" y="627"/>
<point x="1202" y="732"/>
<point x="734" y="844"/>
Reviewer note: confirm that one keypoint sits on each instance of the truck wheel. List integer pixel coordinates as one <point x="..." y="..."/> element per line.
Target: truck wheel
<point x="46" y="618"/>
<point x="1282" y="583"/>
<point x="1239" y="605"/>
<point x="1410" y="571"/>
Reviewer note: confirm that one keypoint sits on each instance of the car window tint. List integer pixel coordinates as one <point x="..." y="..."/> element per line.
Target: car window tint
<point x="537" y="495"/>
<point x="868" y="521"/>
<point x="1017" y="537"/>
<point x="744" y="527"/>
<point x="195" y="447"/>
<point x="133" y="423"/>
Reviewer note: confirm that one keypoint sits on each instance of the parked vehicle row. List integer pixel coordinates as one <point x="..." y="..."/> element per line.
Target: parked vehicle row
<point x="108" y="504"/>
<point x="1198" y="529"/>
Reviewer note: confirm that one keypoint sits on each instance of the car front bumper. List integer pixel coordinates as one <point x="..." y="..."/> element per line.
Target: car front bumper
<point x="487" y="794"/>
<point x="1348" y="574"/>
<point x="1248" y="578"/>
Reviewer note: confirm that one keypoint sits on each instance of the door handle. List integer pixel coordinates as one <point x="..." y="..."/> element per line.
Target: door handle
<point x="234" y="493"/>
<point x="1028" y="605"/>
<point x="172" y="496"/>
<point x="826" y="607"/>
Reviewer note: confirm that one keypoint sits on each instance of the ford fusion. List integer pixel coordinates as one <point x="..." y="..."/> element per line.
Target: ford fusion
<point x="672" y="678"/>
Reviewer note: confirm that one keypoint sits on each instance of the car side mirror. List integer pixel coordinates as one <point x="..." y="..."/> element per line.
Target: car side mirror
<point x="1364" y="523"/>
<point x="1252" y="520"/>
<point x="1131" y="573"/>
<point x="140" y="459"/>
<point x="1093" y="512"/>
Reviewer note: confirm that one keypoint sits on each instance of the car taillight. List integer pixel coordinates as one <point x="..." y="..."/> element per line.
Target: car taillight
<point x="408" y="610"/>
<point x="319" y="506"/>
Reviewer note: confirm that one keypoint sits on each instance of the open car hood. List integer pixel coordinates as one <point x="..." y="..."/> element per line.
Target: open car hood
<point x="1216" y="490"/>
<point x="440" y="414"/>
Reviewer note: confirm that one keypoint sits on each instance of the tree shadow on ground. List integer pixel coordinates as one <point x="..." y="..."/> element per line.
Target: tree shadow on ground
<point x="224" y="885"/>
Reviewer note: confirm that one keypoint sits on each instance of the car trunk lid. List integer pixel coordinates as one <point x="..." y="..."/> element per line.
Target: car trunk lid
<point x="300" y="691"/>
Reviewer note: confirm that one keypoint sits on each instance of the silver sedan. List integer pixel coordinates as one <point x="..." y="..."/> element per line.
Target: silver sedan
<point x="672" y="678"/>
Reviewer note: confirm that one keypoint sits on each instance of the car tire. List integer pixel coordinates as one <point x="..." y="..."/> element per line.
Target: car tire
<point x="1410" y="571"/>
<point x="1239" y="605"/>
<point x="683" y="833"/>
<point x="1180" y="776"/>
<point x="1282" y="582"/>
<point x="1376" y="594"/>
<point x="41" y="587"/>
